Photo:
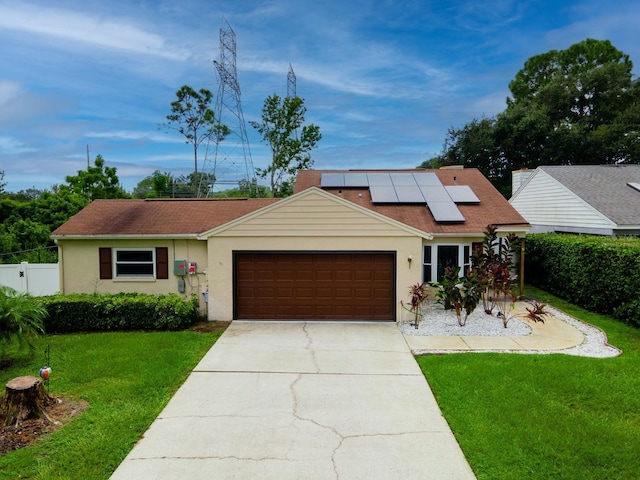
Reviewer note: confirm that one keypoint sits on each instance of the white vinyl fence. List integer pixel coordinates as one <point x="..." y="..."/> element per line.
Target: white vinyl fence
<point x="37" y="279"/>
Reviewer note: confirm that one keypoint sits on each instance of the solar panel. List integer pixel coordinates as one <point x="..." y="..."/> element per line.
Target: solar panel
<point x="401" y="179"/>
<point x="410" y="194"/>
<point x="379" y="179"/>
<point x="383" y="194"/>
<point x="435" y="193"/>
<point x="407" y="188"/>
<point x="356" y="180"/>
<point x="332" y="180"/>
<point x="426" y="179"/>
<point x="445" y="212"/>
<point x="462" y="194"/>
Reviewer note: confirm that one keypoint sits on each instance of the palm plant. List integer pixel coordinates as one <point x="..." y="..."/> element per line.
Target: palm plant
<point x="21" y="318"/>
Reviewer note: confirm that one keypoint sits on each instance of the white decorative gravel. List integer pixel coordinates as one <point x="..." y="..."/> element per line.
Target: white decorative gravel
<point x="595" y="340"/>
<point x="440" y="322"/>
<point x="437" y="321"/>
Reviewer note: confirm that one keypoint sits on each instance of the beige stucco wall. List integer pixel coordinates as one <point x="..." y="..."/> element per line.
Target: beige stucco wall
<point x="313" y="221"/>
<point x="80" y="267"/>
<point x="221" y="261"/>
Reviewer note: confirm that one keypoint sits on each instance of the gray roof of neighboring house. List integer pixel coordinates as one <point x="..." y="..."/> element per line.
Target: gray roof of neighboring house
<point x="604" y="187"/>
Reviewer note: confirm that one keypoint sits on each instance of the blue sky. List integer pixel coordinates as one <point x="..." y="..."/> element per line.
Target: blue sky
<point x="383" y="80"/>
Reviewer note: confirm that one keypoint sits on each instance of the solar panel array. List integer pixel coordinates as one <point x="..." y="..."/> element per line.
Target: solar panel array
<point x="408" y="188"/>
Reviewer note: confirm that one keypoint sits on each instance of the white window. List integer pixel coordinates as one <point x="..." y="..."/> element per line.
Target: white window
<point x="436" y="258"/>
<point x="426" y="264"/>
<point x="135" y="263"/>
<point x="466" y="259"/>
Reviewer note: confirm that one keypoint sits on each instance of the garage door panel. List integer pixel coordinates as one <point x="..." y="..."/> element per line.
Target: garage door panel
<point x="304" y="292"/>
<point x="323" y="293"/>
<point x="344" y="293"/>
<point x="332" y="286"/>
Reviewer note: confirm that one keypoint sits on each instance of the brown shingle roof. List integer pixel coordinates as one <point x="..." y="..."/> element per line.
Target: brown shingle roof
<point x="492" y="209"/>
<point x="157" y="217"/>
<point x="195" y="216"/>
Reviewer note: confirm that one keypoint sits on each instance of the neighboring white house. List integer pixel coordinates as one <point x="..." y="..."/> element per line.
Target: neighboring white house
<point x="590" y="199"/>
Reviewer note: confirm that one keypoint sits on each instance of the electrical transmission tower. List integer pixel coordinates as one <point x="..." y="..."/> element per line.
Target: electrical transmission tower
<point x="291" y="83"/>
<point x="232" y="165"/>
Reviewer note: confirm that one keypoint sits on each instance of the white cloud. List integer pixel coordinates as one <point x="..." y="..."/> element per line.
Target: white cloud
<point x="9" y="145"/>
<point x="136" y="135"/>
<point x="490" y="105"/>
<point x="8" y="92"/>
<point x="111" y="33"/>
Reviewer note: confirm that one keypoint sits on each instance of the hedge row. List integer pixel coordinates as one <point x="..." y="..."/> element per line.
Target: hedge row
<point x="601" y="274"/>
<point x="122" y="311"/>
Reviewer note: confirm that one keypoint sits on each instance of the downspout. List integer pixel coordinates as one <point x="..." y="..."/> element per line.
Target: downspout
<point x="60" y="266"/>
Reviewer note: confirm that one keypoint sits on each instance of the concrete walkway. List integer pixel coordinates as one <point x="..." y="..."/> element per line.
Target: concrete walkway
<point x="301" y="400"/>
<point x="553" y="335"/>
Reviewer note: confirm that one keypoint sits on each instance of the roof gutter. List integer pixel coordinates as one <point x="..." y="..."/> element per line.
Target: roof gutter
<point x="154" y="236"/>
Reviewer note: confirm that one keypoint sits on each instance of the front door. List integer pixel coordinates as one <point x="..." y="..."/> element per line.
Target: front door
<point x="447" y="257"/>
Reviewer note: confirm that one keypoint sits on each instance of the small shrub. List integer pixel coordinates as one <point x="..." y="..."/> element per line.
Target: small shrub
<point x="447" y="293"/>
<point x="468" y="298"/>
<point x="459" y="293"/>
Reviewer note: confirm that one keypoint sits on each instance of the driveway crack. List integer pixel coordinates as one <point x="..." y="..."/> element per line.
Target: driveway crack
<point x="309" y="347"/>
<point x="298" y="416"/>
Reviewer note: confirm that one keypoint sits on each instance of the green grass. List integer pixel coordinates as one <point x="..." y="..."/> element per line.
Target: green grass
<point x="545" y="416"/>
<point x="127" y="378"/>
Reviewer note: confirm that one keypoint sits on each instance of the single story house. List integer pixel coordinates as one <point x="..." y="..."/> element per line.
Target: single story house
<point x="589" y="199"/>
<point x="345" y="246"/>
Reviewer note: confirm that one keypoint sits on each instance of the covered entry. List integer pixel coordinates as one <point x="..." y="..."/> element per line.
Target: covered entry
<point x="314" y="285"/>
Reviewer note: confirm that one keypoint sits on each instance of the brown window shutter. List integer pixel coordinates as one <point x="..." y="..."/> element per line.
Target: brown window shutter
<point x="162" y="263"/>
<point x="106" y="266"/>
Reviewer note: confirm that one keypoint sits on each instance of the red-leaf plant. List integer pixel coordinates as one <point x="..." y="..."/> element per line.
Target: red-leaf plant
<point x="536" y="313"/>
<point x="418" y="297"/>
<point x="493" y="269"/>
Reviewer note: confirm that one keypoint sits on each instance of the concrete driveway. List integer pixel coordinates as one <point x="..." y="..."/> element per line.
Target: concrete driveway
<point x="301" y="401"/>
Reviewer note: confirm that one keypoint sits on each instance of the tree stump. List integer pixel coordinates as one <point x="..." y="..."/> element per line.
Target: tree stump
<point x="24" y="398"/>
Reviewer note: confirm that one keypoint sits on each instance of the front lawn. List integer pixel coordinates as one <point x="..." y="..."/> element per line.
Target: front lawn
<point x="126" y="378"/>
<point x="545" y="416"/>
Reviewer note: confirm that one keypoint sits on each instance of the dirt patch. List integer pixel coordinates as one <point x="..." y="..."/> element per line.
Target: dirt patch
<point x="28" y="432"/>
<point x="213" y="326"/>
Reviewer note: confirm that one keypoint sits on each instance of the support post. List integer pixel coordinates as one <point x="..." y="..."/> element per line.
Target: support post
<point x="522" y="268"/>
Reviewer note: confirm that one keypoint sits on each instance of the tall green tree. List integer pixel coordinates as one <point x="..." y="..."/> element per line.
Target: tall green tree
<point x="564" y="102"/>
<point x="567" y="107"/>
<point x="28" y="220"/>
<point x="282" y="128"/>
<point x="192" y="117"/>
<point x="96" y="182"/>
<point x="156" y="185"/>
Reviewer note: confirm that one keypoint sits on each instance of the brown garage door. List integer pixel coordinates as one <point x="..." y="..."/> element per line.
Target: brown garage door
<point x="319" y="286"/>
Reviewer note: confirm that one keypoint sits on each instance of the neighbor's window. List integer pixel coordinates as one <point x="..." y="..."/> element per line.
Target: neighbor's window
<point x="134" y="263"/>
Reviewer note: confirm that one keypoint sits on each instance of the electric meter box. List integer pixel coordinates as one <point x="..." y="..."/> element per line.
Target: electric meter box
<point x="180" y="267"/>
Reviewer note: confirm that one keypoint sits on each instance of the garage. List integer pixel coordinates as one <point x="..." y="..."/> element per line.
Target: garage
<point x="314" y="286"/>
